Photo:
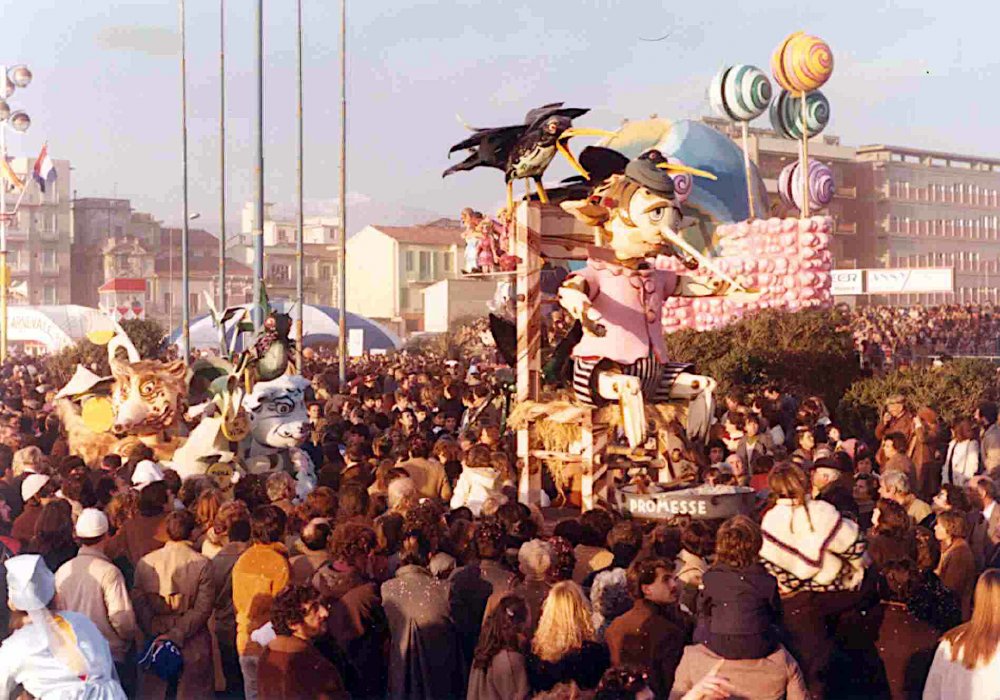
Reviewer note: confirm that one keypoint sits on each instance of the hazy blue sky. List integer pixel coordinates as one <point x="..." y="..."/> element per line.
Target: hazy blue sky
<point x="106" y="90"/>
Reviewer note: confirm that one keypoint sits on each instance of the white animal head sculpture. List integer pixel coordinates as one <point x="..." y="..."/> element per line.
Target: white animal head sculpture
<point x="277" y="411"/>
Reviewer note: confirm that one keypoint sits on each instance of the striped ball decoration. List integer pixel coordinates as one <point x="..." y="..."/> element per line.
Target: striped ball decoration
<point x="821" y="185"/>
<point x="786" y="114"/>
<point x="740" y="93"/>
<point x="802" y="63"/>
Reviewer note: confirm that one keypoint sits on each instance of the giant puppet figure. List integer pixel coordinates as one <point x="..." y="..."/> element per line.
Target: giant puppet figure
<point x="619" y="296"/>
<point x="146" y="404"/>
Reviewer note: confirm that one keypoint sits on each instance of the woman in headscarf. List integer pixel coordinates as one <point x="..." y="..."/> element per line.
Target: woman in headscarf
<point x="53" y="655"/>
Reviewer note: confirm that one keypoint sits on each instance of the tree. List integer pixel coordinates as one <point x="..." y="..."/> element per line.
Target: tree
<point x="952" y="390"/>
<point x="808" y="352"/>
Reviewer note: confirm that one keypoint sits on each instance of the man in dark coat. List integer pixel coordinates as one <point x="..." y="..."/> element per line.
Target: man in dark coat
<point x="357" y="622"/>
<point x="425" y="657"/>
<point x="291" y="668"/>
<point x="654" y="632"/>
<point x="828" y="477"/>
<point x="471" y="586"/>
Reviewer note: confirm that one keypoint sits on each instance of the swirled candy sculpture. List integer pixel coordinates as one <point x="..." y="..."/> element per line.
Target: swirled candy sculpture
<point x="802" y="63"/>
<point x="786" y="114"/>
<point x="821" y="185"/>
<point x="740" y="93"/>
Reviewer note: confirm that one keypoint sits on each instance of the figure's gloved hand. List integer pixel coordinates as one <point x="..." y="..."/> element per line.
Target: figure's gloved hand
<point x="574" y="301"/>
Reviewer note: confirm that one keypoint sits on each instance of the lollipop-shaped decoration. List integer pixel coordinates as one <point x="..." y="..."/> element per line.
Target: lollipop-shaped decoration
<point x="740" y="93"/>
<point x="802" y="63"/>
<point x="821" y="186"/>
<point x="786" y="114"/>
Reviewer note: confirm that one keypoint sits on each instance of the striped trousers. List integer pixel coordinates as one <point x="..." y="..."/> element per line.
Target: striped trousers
<point x="657" y="377"/>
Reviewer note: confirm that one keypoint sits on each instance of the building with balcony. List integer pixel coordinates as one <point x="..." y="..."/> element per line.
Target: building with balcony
<point x="166" y="281"/>
<point x="388" y="268"/>
<point x="39" y="237"/>
<point x="280" y="255"/>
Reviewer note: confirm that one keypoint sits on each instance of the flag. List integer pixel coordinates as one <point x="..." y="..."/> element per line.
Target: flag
<point x="9" y="175"/>
<point x="44" y="171"/>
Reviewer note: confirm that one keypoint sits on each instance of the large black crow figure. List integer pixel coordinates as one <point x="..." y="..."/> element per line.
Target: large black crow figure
<point x="525" y="150"/>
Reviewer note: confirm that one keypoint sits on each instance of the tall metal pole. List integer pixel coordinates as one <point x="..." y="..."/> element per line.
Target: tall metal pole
<point x="342" y="258"/>
<point x="300" y="262"/>
<point x="258" y="224"/>
<point x="4" y="273"/>
<point x="185" y="272"/>
<point x="222" y="158"/>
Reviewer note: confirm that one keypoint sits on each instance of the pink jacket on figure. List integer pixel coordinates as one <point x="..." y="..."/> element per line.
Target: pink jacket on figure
<point x="629" y="304"/>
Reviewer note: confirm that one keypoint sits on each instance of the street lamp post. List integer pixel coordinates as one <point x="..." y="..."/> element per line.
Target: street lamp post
<point x="16" y="77"/>
<point x="341" y="260"/>
<point x="222" y="155"/>
<point x="258" y="224"/>
<point x="300" y="264"/>
<point x="185" y="272"/>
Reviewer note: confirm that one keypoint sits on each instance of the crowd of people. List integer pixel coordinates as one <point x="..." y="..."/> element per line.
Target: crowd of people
<point x="413" y="571"/>
<point x="888" y="336"/>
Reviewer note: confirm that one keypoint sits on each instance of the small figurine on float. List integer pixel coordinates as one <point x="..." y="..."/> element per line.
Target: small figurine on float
<point x="471" y="236"/>
<point x="487" y="248"/>
<point x="619" y="297"/>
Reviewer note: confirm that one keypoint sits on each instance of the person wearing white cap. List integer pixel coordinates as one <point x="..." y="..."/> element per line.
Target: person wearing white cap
<point x="36" y="491"/>
<point x="146" y="472"/>
<point x="56" y="655"/>
<point x="90" y="584"/>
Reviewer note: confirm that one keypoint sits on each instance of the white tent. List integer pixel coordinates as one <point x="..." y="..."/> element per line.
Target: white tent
<point x="51" y="328"/>
<point x="320" y="324"/>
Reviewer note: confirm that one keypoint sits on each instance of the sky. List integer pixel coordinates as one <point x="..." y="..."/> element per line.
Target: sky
<point x="106" y="90"/>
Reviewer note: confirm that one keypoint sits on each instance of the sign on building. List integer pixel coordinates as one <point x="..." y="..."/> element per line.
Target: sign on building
<point x="917" y="280"/>
<point x="847" y="282"/>
<point x="910" y="280"/>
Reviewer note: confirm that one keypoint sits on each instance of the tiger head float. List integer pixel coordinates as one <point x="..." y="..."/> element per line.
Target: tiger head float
<point x="148" y="396"/>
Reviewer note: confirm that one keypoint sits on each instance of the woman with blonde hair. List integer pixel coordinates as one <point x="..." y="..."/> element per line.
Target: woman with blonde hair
<point x="28" y="459"/>
<point x="564" y="647"/>
<point x="967" y="662"/>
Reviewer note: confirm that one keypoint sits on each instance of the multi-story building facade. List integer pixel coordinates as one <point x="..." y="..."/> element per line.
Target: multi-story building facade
<point x="280" y="256"/>
<point x="96" y="221"/>
<point x="390" y="266"/>
<point x="39" y="237"/>
<point x="933" y="209"/>
<point x="166" y="282"/>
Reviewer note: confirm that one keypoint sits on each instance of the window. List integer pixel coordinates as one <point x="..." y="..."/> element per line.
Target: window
<point x="447" y="262"/>
<point x="168" y="300"/>
<point x="118" y="231"/>
<point x="49" y="259"/>
<point x="425" y="264"/>
<point x="409" y="261"/>
<point x="325" y="272"/>
<point x="49" y="294"/>
<point x="283" y="235"/>
<point x="193" y="303"/>
<point x="281" y="273"/>
<point x="404" y="298"/>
